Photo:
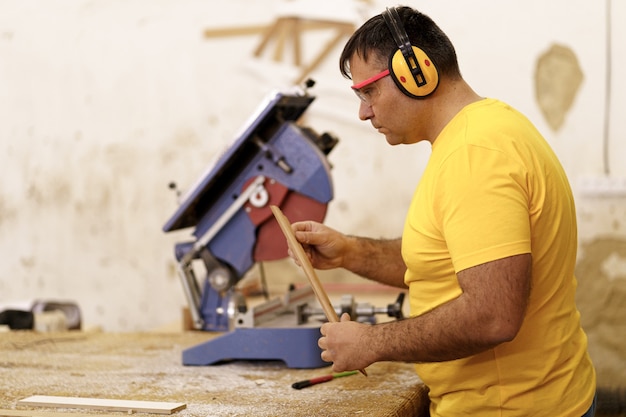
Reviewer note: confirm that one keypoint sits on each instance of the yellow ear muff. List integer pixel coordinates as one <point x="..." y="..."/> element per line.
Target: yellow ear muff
<point x="420" y="84"/>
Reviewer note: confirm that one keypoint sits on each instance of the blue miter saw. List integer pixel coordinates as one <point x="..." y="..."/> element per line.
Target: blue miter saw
<point x="274" y="161"/>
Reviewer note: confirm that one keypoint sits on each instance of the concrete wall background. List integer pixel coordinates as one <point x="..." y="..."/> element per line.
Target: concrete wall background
<point x="103" y="103"/>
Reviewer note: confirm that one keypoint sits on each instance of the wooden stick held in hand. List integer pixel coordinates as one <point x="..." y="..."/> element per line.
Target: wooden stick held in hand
<point x="302" y="257"/>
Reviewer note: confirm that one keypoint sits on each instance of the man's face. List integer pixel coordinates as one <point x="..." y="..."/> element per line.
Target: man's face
<point x="390" y="111"/>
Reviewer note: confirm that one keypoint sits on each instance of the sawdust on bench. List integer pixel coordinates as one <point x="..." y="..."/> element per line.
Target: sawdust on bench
<point x="147" y="366"/>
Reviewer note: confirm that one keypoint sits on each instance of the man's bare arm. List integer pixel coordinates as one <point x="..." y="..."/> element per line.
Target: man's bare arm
<point x="376" y="259"/>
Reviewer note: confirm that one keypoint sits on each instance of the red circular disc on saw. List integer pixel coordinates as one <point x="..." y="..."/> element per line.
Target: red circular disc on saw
<point x="271" y="243"/>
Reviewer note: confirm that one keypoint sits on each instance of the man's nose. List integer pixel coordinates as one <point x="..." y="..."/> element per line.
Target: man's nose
<point x="365" y="111"/>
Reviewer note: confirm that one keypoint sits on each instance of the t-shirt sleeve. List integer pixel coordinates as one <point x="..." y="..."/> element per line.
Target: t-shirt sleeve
<point x="483" y="211"/>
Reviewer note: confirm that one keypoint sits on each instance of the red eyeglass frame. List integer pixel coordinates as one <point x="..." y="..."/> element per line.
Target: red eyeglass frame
<point x="371" y="80"/>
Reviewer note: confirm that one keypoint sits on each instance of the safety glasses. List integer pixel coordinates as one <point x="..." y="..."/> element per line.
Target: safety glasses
<point x="367" y="90"/>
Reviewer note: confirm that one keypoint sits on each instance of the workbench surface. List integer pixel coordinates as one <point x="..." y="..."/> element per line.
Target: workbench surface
<point x="147" y="367"/>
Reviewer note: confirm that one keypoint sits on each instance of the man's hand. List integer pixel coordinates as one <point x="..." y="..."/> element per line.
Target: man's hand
<point x="345" y="345"/>
<point x="324" y="246"/>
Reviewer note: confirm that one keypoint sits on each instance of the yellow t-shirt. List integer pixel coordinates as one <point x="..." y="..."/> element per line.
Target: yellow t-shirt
<point x="493" y="188"/>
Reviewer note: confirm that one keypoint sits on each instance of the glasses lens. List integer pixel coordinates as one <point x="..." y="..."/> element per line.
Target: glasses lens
<point x="368" y="90"/>
<point x="368" y="93"/>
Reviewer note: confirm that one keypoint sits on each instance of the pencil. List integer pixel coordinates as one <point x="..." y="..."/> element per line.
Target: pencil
<point x="320" y="379"/>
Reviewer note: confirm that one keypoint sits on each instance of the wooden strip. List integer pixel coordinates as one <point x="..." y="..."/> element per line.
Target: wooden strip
<point x="235" y="31"/>
<point x="321" y="56"/>
<point x="297" y="249"/>
<point x="129" y="406"/>
<point x="33" y="413"/>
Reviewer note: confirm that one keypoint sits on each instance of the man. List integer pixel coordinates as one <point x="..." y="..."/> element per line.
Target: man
<point x="489" y="244"/>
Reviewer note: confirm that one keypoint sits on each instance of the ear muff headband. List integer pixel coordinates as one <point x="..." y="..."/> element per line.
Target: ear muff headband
<point x="410" y="68"/>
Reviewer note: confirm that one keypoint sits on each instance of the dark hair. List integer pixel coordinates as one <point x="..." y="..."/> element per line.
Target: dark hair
<point x="373" y="39"/>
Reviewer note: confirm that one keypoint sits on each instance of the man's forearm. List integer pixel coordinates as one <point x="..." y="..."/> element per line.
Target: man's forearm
<point x="376" y="259"/>
<point x="489" y="311"/>
<point x="440" y="335"/>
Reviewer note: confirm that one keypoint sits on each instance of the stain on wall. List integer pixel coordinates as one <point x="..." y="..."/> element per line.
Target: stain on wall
<point x="601" y="297"/>
<point x="558" y="77"/>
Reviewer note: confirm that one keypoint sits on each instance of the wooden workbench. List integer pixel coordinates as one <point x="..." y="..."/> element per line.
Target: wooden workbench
<point x="147" y="367"/>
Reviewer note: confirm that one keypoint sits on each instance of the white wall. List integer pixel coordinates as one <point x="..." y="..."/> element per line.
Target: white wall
<point x="103" y="103"/>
